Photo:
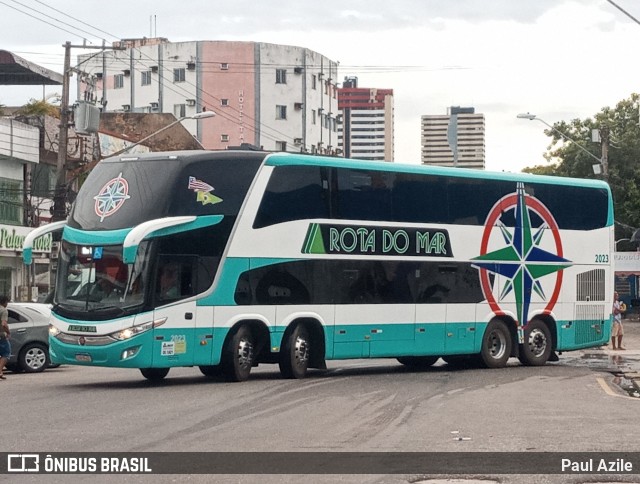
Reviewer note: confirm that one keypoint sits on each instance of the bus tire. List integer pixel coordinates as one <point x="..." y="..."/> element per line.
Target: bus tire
<point x="496" y="345"/>
<point x="238" y="355"/>
<point x="154" y="374"/>
<point x="295" y="353"/>
<point x="418" y="361"/>
<point x="211" y="370"/>
<point x="537" y="345"/>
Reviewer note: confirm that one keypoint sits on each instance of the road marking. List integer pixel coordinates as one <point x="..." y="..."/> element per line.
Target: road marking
<point x="607" y="389"/>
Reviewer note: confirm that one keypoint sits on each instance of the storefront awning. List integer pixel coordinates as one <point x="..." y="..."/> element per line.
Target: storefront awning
<point x="16" y="71"/>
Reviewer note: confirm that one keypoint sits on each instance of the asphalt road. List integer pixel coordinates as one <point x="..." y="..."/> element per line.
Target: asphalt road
<point x="574" y="405"/>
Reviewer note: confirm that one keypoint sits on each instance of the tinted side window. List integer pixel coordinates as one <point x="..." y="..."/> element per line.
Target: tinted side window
<point x="470" y="200"/>
<point x="575" y="208"/>
<point x="189" y="260"/>
<point x="420" y="199"/>
<point x="359" y="282"/>
<point x="365" y="195"/>
<point x="294" y="193"/>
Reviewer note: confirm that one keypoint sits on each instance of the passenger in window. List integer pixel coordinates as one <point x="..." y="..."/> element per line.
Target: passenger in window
<point x="392" y="284"/>
<point x="278" y="286"/>
<point x="168" y="283"/>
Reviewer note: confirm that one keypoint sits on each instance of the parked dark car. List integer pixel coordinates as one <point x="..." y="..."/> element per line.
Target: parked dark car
<point x="29" y="326"/>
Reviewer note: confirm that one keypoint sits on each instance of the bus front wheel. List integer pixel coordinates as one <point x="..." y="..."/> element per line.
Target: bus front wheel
<point x="496" y="345"/>
<point x="154" y="374"/>
<point x="537" y="344"/>
<point x="294" y="355"/>
<point x="238" y="355"/>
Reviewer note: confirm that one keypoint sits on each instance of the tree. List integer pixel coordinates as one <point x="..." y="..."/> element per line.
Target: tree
<point x="39" y="108"/>
<point x="623" y="123"/>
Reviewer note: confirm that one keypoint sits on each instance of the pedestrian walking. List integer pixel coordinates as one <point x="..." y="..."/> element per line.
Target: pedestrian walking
<point x="617" y="331"/>
<point x="5" y="334"/>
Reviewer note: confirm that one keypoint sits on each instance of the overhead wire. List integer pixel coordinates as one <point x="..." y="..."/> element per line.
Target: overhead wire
<point x="267" y="130"/>
<point x="278" y="134"/>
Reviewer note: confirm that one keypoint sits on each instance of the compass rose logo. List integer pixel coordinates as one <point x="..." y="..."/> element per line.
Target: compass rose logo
<point x="524" y="256"/>
<point x="111" y="197"/>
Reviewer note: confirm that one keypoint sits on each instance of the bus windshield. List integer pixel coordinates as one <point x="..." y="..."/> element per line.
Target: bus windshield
<point x="95" y="278"/>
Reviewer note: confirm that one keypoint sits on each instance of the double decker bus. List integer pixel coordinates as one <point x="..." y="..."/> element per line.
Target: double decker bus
<point x="295" y="260"/>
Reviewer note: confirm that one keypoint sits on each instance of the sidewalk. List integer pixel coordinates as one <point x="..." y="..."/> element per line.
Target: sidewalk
<point x="630" y="340"/>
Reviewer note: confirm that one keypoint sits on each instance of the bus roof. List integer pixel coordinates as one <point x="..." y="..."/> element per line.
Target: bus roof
<point x="283" y="158"/>
<point x="280" y="159"/>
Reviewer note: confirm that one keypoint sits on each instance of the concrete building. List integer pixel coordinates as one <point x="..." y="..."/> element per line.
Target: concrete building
<point x="454" y="139"/>
<point x="365" y="125"/>
<point x="19" y="153"/>
<point x="277" y="97"/>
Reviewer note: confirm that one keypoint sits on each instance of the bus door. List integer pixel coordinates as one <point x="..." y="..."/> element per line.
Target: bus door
<point x="174" y="340"/>
<point x="460" y="329"/>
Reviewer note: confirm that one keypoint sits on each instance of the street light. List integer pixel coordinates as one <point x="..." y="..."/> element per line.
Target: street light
<point x="202" y="115"/>
<point x="618" y="241"/>
<point x="531" y="117"/>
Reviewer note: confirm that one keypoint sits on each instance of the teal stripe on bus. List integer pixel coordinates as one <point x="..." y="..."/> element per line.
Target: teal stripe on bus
<point x="94" y="237"/>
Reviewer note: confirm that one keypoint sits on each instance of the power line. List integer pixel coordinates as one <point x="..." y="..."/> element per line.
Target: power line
<point x="184" y="91"/>
<point x="37" y="18"/>
<point x="52" y="18"/>
<point x="624" y="11"/>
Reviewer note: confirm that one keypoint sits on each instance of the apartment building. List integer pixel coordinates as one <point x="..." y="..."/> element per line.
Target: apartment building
<point x="277" y="97"/>
<point x="365" y="123"/>
<point x="455" y="139"/>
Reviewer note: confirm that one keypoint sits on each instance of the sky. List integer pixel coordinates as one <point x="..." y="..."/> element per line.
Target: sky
<point x="558" y="59"/>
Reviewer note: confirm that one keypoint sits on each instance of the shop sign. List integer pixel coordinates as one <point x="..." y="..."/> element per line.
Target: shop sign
<point x="12" y="238"/>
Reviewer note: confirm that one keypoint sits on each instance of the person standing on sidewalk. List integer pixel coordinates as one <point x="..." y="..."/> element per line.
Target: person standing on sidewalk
<point x="5" y="334"/>
<point x="617" y="330"/>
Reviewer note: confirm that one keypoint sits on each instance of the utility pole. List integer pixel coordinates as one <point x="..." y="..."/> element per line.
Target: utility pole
<point x="604" y="136"/>
<point x="60" y="195"/>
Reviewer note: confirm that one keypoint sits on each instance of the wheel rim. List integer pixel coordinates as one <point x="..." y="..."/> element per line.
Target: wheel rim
<point x="245" y="353"/>
<point x="35" y="358"/>
<point x="301" y="351"/>
<point x="496" y="344"/>
<point x="537" y="342"/>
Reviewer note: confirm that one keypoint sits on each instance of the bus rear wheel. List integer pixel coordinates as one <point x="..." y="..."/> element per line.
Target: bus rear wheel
<point x="238" y="355"/>
<point x="496" y="345"/>
<point x="154" y="374"/>
<point x="537" y="345"/>
<point x="418" y="361"/>
<point x="294" y="355"/>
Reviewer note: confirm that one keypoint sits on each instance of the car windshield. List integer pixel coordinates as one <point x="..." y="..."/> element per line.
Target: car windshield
<point x="95" y="278"/>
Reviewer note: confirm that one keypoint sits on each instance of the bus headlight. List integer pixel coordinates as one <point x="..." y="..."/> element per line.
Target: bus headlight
<point x="127" y="333"/>
<point x="53" y="331"/>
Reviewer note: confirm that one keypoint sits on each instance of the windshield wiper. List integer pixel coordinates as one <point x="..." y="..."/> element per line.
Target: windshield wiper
<point x="120" y="311"/>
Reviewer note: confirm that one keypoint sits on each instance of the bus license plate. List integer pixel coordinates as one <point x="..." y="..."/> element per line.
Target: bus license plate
<point x="83" y="357"/>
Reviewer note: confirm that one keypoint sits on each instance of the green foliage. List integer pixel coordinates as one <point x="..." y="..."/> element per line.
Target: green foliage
<point x="551" y="169"/>
<point x="623" y="123"/>
<point x="39" y="108"/>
